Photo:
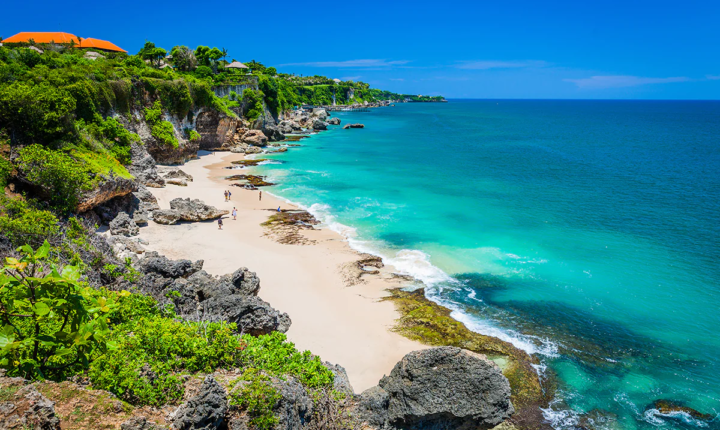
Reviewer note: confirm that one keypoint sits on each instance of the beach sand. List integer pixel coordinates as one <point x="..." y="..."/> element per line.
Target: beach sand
<point x="346" y="325"/>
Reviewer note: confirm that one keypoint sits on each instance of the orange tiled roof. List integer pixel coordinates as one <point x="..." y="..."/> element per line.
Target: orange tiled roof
<point x="100" y="44"/>
<point x="41" y="37"/>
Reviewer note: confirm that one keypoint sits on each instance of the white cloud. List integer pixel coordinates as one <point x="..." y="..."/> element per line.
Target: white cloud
<point x="620" y="81"/>
<point x="397" y="79"/>
<point x="351" y="63"/>
<point x="713" y="77"/>
<point x="350" y="78"/>
<point x="493" y="64"/>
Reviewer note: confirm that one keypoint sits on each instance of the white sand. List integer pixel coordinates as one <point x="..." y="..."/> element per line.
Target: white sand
<point x="344" y="325"/>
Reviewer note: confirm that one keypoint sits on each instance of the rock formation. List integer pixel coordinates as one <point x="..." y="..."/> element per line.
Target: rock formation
<point x="206" y="410"/>
<point x="334" y="121"/>
<point x="319" y="124"/>
<point x="440" y="388"/>
<point x="123" y="225"/>
<point x="195" y="210"/>
<point x="356" y="125"/>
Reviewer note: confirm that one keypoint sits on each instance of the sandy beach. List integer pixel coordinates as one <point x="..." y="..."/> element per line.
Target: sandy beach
<point x="347" y="325"/>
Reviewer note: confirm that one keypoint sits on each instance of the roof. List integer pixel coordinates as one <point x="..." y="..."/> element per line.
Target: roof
<point x="100" y="44"/>
<point x="337" y="80"/>
<point x="236" y="65"/>
<point x="41" y="37"/>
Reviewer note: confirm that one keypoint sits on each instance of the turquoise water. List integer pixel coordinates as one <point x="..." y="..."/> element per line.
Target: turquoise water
<point x="587" y="232"/>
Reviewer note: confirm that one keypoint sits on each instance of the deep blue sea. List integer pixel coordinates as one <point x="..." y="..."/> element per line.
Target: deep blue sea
<point x="587" y="232"/>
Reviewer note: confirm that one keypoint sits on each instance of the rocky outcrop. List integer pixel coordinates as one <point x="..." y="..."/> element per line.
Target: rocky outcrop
<point x="664" y="407"/>
<point x="215" y="128"/>
<point x="333" y="121"/>
<point x="288" y="127"/>
<point x="255" y="138"/>
<point x="177" y="174"/>
<point x="123" y="225"/>
<point x="320" y="113"/>
<point x="138" y="205"/>
<point x="231" y="298"/>
<point x="108" y="188"/>
<point x="206" y="410"/>
<point x="195" y="210"/>
<point x="24" y="407"/>
<point x="143" y="167"/>
<point x="341" y="383"/>
<point x="356" y="125"/>
<point x="319" y="124"/>
<point x="139" y="423"/>
<point x="272" y="132"/>
<point x="440" y="388"/>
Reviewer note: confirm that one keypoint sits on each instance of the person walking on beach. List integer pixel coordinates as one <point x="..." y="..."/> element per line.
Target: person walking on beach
<point x="226" y="195"/>
<point x="278" y="208"/>
<point x="219" y="223"/>
<point x="229" y="195"/>
<point x="234" y="213"/>
<point x="260" y="199"/>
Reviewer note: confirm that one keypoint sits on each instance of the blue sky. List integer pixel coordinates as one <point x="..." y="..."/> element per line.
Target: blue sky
<point x="459" y="49"/>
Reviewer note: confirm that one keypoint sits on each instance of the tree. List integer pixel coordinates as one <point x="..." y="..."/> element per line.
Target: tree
<point x="152" y="53"/>
<point x="202" y="53"/>
<point x="224" y="53"/>
<point x="183" y="58"/>
<point x="50" y="323"/>
<point x="271" y="71"/>
<point x="215" y="54"/>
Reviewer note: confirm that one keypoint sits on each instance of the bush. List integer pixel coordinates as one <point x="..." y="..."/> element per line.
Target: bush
<point x="258" y="397"/>
<point x="203" y="72"/>
<point x="163" y="131"/>
<point x="23" y="224"/>
<point x="60" y="176"/>
<point x="52" y="326"/>
<point x="253" y="102"/>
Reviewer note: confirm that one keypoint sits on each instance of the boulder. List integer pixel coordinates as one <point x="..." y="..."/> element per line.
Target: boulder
<point x="206" y="410"/>
<point x="138" y="204"/>
<point x="319" y="124"/>
<point x="334" y="121"/>
<point x="123" y="225"/>
<point x="255" y="138"/>
<point x="341" y="382"/>
<point x="356" y="125"/>
<point x="166" y="216"/>
<point x="24" y="407"/>
<point x="373" y="406"/>
<point x="177" y="181"/>
<point x="195" y="210"/>
<point x="320" y="113"/>
<point x="287" y="127"/>
<point x="272" y="132"/>
<point x="251" y="314"/>
<point x="156" y="263"/>
<point x="295" y="407"/>
<point x="253" y="150"/>
<point x="177" y="173"/>
<point x="442" y="388"/>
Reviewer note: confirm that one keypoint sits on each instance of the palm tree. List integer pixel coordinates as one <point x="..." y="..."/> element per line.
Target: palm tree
<point x="224" y="52"/>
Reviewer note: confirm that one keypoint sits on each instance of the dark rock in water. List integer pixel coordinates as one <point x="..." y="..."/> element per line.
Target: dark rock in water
<point x="356" y="125"/>
<point x="24" y="407"/>
<point x="668" y="407"/>
<point x="334" y="121"/>
<point x="195" y="210"/>
<point x="248" y="162"/>
<point x="273" y="132"/>
<point x="204" y="411"/>
<point x="251" y="314"/>
<point x="254" y="180"/>
<point x="319" y="124"/>
<point x="442" y="388"/>
<point x="123" y="225"/>
<point x="166" y="216"/>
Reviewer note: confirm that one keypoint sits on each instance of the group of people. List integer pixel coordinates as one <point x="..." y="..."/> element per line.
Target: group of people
<point x="228" y="197"/>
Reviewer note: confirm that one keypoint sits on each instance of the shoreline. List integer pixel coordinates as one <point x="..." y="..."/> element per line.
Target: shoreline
<point x="347" y="325"/>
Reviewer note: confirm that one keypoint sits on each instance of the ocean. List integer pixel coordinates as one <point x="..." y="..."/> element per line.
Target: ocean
<point x="587" y="232"/>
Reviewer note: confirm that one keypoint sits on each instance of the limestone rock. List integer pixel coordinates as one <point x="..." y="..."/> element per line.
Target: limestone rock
<point x="334" y="121"/>
<point x="341" y="382"/>
<point x="195" y="210"/>
<point x="166" y="216"/>
<point x="446" y="388"/>
<point x="272" y="132"/>
<point x="156" y="263"/>
<point x="143" y="168"/>
<point x="177" y="181"/>
<point x="356" y="125"/>
<point x="177" y="173"/>
<point x="295" y="407"/>
<point x="215" y="128"/>
<point x="373" y="406"/>
<point x="320" y="113"/>
<point x="319" y="124"/>
<point x="255" y="138"/>
<point x="123" y="225"/>
<point x="23" y="406"/>
<point x="206" y="410"/>
<point x="251" y="314"/>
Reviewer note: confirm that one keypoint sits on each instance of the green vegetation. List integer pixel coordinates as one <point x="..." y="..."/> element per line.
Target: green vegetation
<point x="22" y="222"/>
<point x="258" y="397"/>
<point x="161" y="130"/>
<point x="252" y="100"/>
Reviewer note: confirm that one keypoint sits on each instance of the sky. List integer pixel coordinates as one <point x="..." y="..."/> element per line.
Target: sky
<point x="580" y="49"/>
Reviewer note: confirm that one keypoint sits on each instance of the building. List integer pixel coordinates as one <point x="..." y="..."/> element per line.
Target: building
<point x="60" y="38"/>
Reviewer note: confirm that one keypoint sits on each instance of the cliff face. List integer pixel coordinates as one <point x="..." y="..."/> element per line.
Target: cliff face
<point x="216" y="130"/>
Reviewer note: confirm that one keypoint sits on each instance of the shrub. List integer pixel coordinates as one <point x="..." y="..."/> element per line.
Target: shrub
<point x="164" y="132"/>
<point x="23" y="224"/>
<point x="61" y="177"/>
<point x="51" y="324"/>
<point x="193" y="135"/>
<point x="258" y="397"/>
<point x="203" y="72"/>
<point x="253" y="102"/>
